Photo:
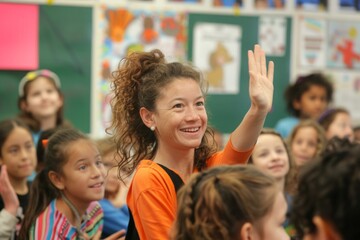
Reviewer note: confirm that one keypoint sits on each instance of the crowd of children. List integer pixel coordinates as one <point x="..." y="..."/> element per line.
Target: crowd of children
<point x="161" y="174"/>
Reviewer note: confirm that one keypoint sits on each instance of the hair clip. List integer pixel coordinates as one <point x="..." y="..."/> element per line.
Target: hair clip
<point x="44" y="142"/>
<point x="34" y="74"/>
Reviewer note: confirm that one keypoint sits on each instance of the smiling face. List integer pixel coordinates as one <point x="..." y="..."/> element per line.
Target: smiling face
<point x="83" y="174"/>
<point x="304" y="145"/>
<point x="18" y="154"/>
<point x="270" y="156"/>
<point x="180" y="118"/>
<point x="43" y="99"/>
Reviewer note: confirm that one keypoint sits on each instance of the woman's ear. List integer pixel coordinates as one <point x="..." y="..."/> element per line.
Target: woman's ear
<point x="147" y="117"/>
<point x="57" y="180"/>
<point x="324" y="230"/>
<point x="247" y="232"/>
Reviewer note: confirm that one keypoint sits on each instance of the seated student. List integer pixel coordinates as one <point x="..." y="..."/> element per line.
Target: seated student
<point x="17" y="154"/>
<point x="116" y="213"/>
<point x="327" y="205"/>
<point x="64" y="194"/>
<point x="307" y="98"/>
<point x="337" y="122"/>
<point x="271" y="155"/>
<point x="306" y="142"/>
<point x="230" y="202"/>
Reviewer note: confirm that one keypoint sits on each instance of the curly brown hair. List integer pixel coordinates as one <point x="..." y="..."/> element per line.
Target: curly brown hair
<point x="138" y="83"/>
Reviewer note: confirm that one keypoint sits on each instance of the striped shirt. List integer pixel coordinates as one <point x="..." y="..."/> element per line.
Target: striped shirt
<point x="51" y="224"/>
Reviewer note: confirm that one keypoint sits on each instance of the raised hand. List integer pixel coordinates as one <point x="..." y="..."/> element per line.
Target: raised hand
<point x="7" y="193"/>
<point x="261" y="88"/>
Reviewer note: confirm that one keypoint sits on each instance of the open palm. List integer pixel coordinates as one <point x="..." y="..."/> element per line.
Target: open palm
<point x="261" y="88"/>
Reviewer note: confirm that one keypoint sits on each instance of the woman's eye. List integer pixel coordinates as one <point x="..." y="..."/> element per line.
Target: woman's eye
<point x="179" y="105"/>
<point x="201" y="103"/>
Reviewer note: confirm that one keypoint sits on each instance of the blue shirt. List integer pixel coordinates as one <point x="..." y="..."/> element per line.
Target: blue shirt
<point x="115" y="219"/>
<point x="286" y="125"/>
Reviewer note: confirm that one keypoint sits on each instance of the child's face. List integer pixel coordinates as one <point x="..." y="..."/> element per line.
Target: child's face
<point x="272" y="227"/>
<point x="312" y="102"/>
<point x="341" y="127"/>
<point x="270" y="156"/>
<point x="112" y="185"/>
<point x="304" y="145"/>
<point x="180" y="117"/>
<point x="19" y="154"/>
<point x="83" y="175"/>
<point x="43" y="99"/>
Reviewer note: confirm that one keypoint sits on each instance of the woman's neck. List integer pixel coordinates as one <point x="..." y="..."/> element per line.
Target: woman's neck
<point x="20" y="185"/>
<point x="180" y="161"/>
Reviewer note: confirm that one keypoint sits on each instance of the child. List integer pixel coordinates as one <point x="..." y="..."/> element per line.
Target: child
<point x="271" y="155"/>
<point x="41" y="101"/>
<point x="306" y="141"/>
<point x="308" y="97"/>
<point x="230" y="202"/>
<point x="17" y="154"/>
<point x="64" y="194"/>
<point x="8" y="195"/>
<point x="116" y="213"/>
<point x="337" y="122"/>
<point x="327" y="205"/>
<point x="159" y="112"/>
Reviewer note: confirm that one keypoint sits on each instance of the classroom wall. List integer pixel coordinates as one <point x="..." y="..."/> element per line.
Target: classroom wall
<point x="294" y="61"/>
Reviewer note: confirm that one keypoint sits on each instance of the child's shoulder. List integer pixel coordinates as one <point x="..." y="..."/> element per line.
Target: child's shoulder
<point x="285" y="125"/>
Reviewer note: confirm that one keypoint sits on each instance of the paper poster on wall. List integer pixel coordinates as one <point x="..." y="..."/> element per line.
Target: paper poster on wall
<point x="347" y="94"/>
<point x="343" y="45"/>
<point x="272" y="35"/>
<point x="227" y="3"/>
<point x="269" y="4"/>
<point x="312" y="42"/>
<point x="19" y="38"/>
<point x="126" y="31"/>
<point x="349" y="5"/>
<point x="216" y="52"/>
<point x="312" y="5"/>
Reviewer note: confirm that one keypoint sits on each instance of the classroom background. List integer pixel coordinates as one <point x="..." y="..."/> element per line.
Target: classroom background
<point x="83" y="41"/>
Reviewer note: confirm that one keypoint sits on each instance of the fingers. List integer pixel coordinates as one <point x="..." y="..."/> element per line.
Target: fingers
<point x="257" y="52"/>
<point x="251" y="61"/>
<point x="271" y="71"/>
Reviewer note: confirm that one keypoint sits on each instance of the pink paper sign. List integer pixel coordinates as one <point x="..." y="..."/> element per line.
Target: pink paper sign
<point x="19" y="36"/>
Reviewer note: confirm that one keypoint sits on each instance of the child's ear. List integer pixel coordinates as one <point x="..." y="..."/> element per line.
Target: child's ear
<point x="247" y="231"/>
<point x="57" y="180"/>
<point x="324" y="230"/>
<point x="296" y="104"/>
<point x="147" y="117"/>
<point x="23" y="105"/>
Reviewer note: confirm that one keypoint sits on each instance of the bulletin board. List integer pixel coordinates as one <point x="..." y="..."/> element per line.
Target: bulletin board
<point x="65" y="41"/>
<point x="227" y="105"/>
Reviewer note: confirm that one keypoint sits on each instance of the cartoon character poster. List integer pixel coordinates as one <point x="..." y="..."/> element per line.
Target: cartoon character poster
<point x="344" y="45"/>
<point x="216" y="52"/>
<point x="126" y="31"/>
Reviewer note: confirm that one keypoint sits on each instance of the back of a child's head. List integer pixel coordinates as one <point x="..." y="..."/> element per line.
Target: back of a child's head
<point x="215" y="204"/>
<point x="295" y="91"/>
<point x="329" y="189"/>
<point x="24" y="86"/>
<point x="56" y="156"/>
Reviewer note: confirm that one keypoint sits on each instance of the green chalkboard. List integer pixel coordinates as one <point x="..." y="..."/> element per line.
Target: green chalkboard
<point x="227" y="110"/>
<point x="65" y="37"/>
